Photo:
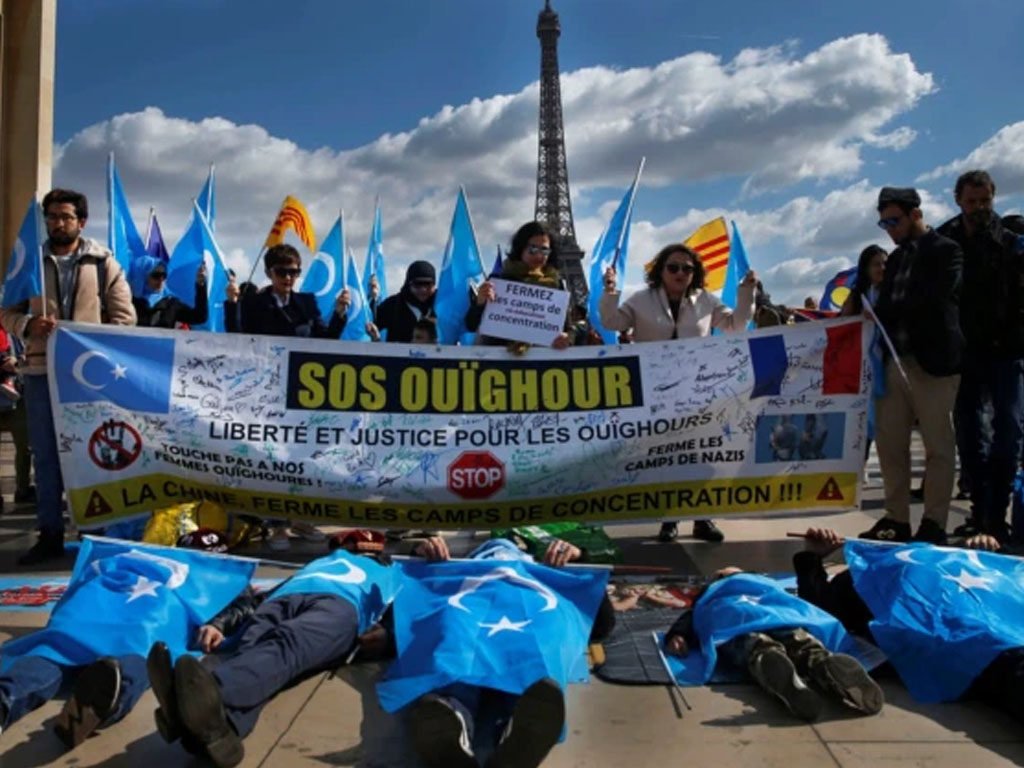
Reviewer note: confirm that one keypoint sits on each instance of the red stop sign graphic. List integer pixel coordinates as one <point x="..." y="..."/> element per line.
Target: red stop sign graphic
<point x="476" y="475"/>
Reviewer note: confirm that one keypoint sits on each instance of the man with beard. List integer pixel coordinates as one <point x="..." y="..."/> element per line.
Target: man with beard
<point x="993" y="368"/>
<point x="919" y="306"/>
<point x="83" y="283"/>
<point x="398" y="314"/>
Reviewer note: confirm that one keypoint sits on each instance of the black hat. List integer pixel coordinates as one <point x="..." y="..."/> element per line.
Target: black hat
<point x="420" y="270"/>
<point x="899" y="196"/>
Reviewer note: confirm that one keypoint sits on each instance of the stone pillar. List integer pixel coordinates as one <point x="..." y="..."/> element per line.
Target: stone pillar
<point x="27" y="64"/>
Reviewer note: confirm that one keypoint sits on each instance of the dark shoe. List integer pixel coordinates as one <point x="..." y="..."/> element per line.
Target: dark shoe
<point x="201" y="712"/>
<point x="669" y="532"/>
<point x="439" y="734"/>
<point x="776" y="674"/>
<point x="930" y="532"/>
<point x="92" y="702"/>
<point x="962" y="496"/>
<point x="917" y="494"/>
<point x="967" y="529"/>
<point x="888" y="529"/>
<point x="27" y="496"/>
<point x="161" y="680"/>
<point x="49" y="546"/>
<point x="534" y="728"/>
<point x="706" y="530"/>
<point x="843" y="676"/>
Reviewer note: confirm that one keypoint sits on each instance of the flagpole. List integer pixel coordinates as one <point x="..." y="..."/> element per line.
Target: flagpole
<point x="40" y="232"/>
<point x="263" y="248"/>
<point x="111" y="241"/>
<point x="209" y="197"/>
<point x="668" y="669"/>
<point x="888" y="342"/>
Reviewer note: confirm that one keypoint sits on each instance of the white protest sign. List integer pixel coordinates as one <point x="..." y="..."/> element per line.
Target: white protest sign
<point x="524" y="312"/>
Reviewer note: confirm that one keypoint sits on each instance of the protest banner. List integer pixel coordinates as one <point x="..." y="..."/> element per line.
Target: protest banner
<point x="391" y="435"/>
<point x="524" y="312"/>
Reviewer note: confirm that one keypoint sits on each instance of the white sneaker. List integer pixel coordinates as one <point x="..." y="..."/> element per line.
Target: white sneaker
<point x="279" y="541"/>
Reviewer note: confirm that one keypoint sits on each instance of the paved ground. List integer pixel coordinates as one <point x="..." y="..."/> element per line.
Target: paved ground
<point x="335" y="721"/>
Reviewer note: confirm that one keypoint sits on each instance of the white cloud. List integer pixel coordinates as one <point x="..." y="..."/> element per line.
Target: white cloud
<point x="769" y="117"/>
<point x="1002" y="156"/>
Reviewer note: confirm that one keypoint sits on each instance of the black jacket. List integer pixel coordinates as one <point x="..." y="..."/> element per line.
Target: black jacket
<point x="170" y="311"/>
<point x="924" y="307"/>
<point x="259" y="313"/>
<point x="396" y="316"/>
<point x="990" y="303"/>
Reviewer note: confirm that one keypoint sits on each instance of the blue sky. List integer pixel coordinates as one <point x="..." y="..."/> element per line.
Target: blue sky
<point x="820" y="103"/>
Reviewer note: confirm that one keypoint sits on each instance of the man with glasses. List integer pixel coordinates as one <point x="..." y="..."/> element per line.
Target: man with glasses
<point x="919" y="307"/>
<point x="84" y="283"/>
<point x="399" y="314"/>
<point x="993" y="369"/>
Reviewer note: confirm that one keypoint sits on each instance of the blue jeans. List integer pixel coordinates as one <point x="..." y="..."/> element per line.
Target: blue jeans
<point x="43" y="438"/>
<point x="990" y="462"/>
<point x="34" y="680"/>
<point x="286" y="638"/>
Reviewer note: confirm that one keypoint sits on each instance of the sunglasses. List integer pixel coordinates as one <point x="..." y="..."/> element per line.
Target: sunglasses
<point x="686" y="269"/>
<point x="890" y="222"/>
<point x="423" y="283"/>
<point x="533" y="250"/>
<point x="287" y="271"/>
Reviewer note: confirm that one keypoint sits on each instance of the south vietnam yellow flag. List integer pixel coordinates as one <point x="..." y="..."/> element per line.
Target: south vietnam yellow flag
<point x="711" y="242"/>
<point x="293" y="215"/>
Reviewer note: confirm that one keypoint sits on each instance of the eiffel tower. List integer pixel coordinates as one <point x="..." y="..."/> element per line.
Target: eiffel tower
<point x="554" y="207"/>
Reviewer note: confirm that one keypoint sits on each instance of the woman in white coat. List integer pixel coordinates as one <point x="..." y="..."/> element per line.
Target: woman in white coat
<point x="675" y="306"/>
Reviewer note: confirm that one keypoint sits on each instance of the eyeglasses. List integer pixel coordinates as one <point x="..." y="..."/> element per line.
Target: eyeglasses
<point x="686" y="269"/>
<point x="533" y="250"/>
<point x="890" y="222"/>
<point x="287" y="271"/>
<point x="66" y="218"/>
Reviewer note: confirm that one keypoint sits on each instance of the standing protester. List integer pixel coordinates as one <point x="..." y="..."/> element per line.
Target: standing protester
<point x="993" y="369"/>
<point x="919" y="306"/>
<point x="279" y="310"/>
<point x="675" y="306"/>
<point x="532" y="259"/>
<point x="14" y="420"/>
<point x="399" y="314"/>
<point x="84" y="283"/>
<point x="154" y="304"/>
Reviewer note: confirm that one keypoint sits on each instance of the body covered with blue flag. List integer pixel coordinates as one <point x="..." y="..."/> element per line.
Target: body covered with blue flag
<point x="941" y="615"/>
<point x="364" y="582"/>
<point x="744" y="603"/>
<point x="501" y="624"/>
<point x="123" y="597"/>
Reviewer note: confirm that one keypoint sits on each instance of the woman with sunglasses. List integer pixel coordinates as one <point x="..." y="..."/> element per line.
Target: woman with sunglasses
<point x="531" y="259"/>
<point x="675" y="306"/>
<point x="279" y="310"/>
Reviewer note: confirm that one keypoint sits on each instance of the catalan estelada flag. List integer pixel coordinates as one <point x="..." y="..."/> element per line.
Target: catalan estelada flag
<point x="711" y="242"/>
<point x="293" y="215"/>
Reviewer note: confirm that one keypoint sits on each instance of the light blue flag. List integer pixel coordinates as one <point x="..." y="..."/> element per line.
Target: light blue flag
<point x="207" y="203"/>
<point x="487" y="623"/>
<point x="325" y="278"/>
<point x="125" y="596"/>
<point x="611" y="249"/>
<point x="197" y="247"/>
<point x="359" y="313"/>
<point x="123" y="238"/>
<point x="941" y="615"/>
<point x="460" y="266"/>
<point x="374" y="266"/>
<point x="745" y="603"/>
<point x="734" y="273"/>
<point x="130" y="370"/>
<point x="366" y="584"/>
<point x="25" y="267"/>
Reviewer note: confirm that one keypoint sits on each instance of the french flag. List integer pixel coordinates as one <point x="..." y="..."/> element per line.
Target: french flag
<point x="841" y="367"/>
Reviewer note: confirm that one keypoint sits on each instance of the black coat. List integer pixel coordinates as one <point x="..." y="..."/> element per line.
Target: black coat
<point x="259" y="313"/>
<point x="929" y="309"/>
<point x="395" y="315"/>
<point x="170" y="311"/>
<point x="990" y="305"/>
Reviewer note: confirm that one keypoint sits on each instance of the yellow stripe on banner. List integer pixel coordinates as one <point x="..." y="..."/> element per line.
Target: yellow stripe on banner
<point x="797" y="494"/>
